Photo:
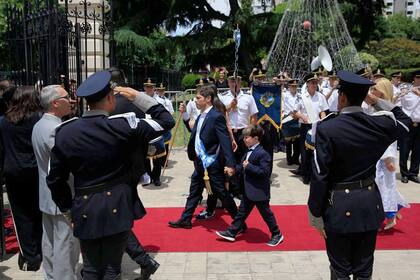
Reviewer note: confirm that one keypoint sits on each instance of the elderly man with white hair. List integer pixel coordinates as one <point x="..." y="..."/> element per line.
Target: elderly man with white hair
<point x="60" y="249"/>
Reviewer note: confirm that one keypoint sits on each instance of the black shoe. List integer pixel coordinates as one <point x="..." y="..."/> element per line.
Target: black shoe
<point x="25" y="265"/>
<point x="148" y="270"/>
<point x="243" y="229"/>
<point x="157" y="183"/>
<point x="296" y="172"/>
<point x="289" y="162"/>
<point x="306" y="180"/>
<point x="226" y="235"/>
<point x="180" y="224"/>
<point x="275" y="240"/>
<point x="404" y="179"/>
<point x="414" y="179"/>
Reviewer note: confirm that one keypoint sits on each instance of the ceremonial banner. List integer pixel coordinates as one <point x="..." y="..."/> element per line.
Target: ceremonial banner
<point x="268" y="99"/>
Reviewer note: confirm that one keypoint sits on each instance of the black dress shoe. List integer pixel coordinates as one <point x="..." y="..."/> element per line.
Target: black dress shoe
<point x="180" y="224"/>
<point x="157" y="183"/>
<point x="404" y="179"/>
<point x="148" y="270"/>
<point x="414" y="179"/>
<point x="297" y="172"/>
<point x="306" y="180"/>
<point x="289" y="162"/>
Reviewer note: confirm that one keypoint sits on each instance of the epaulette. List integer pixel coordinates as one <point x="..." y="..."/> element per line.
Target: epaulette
<point x="58" y="127"/>
<point x="131" y="118"/>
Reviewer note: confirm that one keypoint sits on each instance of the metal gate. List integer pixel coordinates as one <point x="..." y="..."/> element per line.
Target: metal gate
<point x="59" y="41"/>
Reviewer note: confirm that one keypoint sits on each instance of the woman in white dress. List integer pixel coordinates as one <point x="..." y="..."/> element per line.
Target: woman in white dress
<point x="386" y="166"/>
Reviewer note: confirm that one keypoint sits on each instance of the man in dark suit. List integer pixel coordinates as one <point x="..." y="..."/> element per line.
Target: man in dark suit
<point x="96" y="149"/>
<point x="344" y="202"/>
<point x="254" y="173"/>
<point x="209" y="142"/>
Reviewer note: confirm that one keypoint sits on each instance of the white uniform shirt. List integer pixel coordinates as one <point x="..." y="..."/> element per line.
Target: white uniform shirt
<point x="166" y="102"/>
<point x="239" y="118"/>
<point x="319" y="104"/>
<point x="289" y="101"/>
<point x="333" y="100"/>
<point x="411" y="106"/>
<point x="192" y="111"/>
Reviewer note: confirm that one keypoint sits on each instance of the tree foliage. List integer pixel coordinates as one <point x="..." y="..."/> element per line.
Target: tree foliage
<point x="396" y="52"/>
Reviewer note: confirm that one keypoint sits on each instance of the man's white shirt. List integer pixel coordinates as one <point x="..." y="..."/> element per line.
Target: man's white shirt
<point x="246" y="107"/>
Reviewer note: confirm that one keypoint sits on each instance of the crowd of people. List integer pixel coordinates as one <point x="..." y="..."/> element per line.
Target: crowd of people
<point x="72" y="185"/>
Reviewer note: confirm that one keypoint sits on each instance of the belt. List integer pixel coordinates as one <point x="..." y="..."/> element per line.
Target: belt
<point x="237" y="130"/>
<point x="100" y="187"/>
<point x="354" y="185"/>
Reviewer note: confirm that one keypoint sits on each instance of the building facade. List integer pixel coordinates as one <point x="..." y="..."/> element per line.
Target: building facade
<point x="410" y="8"/>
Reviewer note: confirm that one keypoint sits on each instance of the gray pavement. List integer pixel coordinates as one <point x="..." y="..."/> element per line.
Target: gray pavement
<point x="286" y="190"/>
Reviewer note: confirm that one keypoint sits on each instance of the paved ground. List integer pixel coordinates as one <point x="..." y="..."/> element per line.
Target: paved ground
<point x="286" y="190"/>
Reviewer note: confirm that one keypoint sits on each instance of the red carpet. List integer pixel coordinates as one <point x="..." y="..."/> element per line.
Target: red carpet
<point x="12" y="245"/>
<point x="156" y="236"/>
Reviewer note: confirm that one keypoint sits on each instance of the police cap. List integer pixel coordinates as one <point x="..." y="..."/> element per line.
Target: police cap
<point x="149" y="82"/>
<point x="396" y="74"/>
<point x="293" y="82"/>
<point x="310" y="77"/>
<point x="352" y="81"/>
<point x="96" y="86"/>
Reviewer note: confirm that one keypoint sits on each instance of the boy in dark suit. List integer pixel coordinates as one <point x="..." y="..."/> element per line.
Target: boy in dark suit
<point x="254" y="173"/>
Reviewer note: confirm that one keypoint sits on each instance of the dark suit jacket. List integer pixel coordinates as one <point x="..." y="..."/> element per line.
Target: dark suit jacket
<point x="347" y="149"/>
<point x="255" y="178"/>
<point x="214" y="133"/>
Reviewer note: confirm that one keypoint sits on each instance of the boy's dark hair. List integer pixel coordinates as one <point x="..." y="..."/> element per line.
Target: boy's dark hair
<point x="208" y="90"/>
<point x="253" y="130"/>
<point x="355" y="96"/>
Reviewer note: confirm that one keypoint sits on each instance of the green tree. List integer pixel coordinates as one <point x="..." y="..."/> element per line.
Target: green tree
<point x="401" y="26"/>
<point x="397" y="53"/>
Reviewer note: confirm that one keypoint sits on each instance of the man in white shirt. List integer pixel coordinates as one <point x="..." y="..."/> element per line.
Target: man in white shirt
<point x="411" y="144"/>
<point x="242" y="111"/>
<point x="290" y="129"/>
<point x="331" y="92"/>
<point x="309" y="108"/>
<point x="396" y="81"/>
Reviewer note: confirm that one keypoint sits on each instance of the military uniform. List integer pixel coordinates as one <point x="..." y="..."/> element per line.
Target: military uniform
<point x="97" y="150"/>
<point x="344" y="199"/>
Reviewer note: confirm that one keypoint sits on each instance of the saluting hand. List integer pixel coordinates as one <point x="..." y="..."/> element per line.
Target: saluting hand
<point x="127" y="92"/>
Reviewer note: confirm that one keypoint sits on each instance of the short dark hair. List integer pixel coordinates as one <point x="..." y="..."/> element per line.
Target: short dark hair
<point x="355" y="96"/>
<point x="253" y="130"/>
<point x="208" y="90"/>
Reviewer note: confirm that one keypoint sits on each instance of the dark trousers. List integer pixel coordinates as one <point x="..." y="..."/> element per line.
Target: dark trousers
<point x="351" y="253"/>
<point x="245" y="209"/>
<point x="136" y="251"/>
<point x="293" y="151"/>
<point x="306" y="154"/>
<point x="410" y="143"/>
<point x="157" y="168"/>
<point x="217" y="183"/>
<point x="102" y="256"/>
<point x="23" y="198"/>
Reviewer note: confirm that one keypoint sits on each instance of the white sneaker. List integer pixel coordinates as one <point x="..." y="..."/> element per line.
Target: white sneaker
<point x="145" y="180"/>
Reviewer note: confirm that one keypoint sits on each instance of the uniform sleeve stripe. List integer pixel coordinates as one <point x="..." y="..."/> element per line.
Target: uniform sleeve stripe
<point x="316" y="163"/>
<point x="403" y="125"/>
<point x="154" y="124"/>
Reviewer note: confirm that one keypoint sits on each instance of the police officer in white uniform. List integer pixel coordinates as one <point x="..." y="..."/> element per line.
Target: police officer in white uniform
<point x="310" y="107"/>
<point x="411" y="144"/>
<point x="242" y="111"/>
<point x="331" y="93"/>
